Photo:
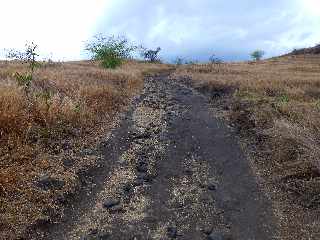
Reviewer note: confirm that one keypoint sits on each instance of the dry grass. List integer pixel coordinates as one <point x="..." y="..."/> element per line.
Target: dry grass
<point x="69" y="106"/>
<point x="275" y="104"/>
<point x="281" y="93"/>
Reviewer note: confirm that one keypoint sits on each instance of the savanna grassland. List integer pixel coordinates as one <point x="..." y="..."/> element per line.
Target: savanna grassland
<point x="52" y="128"/>
<point x="275" y="107"/>
<point x="49" y="133"/>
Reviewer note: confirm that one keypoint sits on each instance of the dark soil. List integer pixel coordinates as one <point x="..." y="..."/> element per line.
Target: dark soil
<point x="172" y="170"/>
<point x="311" y="50"/>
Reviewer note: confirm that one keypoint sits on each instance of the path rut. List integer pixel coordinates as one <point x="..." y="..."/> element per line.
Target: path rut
<point x="171" y="171"/>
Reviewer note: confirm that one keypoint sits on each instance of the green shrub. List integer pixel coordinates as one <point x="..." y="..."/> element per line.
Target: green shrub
<point x="111" y="51"/>
<point x="28" y="56"/>
<point x="283" y="99"/>
<point x="257" y="55"/>
<point x="111" y="62"/>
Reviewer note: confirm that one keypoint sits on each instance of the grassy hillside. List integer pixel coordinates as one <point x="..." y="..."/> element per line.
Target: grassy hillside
<point x="275" y="105"/>
<point x="49" y="134"/>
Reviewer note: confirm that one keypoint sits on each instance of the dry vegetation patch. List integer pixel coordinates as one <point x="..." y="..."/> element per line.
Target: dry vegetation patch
<point x="50" y="134"/>
<point x="275" y="105"/>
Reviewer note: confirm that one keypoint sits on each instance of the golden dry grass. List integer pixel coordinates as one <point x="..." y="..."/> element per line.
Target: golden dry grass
<point x="283" y="89"/>
<point x="70" y="103"/>
<point x="276" y="104"/>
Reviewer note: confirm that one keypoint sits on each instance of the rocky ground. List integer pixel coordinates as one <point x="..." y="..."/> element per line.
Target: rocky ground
<point x="172" y="170"/>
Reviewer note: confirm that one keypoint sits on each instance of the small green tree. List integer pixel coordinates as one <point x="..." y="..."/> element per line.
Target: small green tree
<point x="257" y="55"/>
<point x="110" y="50"/>
<point x="28" y="56"/>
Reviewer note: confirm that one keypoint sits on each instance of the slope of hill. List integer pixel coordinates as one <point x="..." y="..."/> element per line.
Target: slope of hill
<point x="275" y="107"/>
<point x="311" y="50"/>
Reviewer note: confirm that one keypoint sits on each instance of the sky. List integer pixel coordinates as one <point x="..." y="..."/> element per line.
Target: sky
<point x="191" y="29"/>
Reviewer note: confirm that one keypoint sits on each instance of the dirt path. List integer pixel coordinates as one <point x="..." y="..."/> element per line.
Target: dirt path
<point x="171" y="171"/>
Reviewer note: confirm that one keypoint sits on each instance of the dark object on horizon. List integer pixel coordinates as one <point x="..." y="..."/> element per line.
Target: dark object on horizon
<point x="213" y="59"/>
<point x="151" y="55"/>
<point x="311" y="50"/>
<point x="178" y="61"/>
<point x="257" y="55"/>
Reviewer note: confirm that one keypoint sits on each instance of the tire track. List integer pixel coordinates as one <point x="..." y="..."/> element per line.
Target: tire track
<point x="177" y="173"/>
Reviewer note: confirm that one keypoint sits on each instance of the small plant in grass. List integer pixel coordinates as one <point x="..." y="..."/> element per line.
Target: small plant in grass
<point x="111" y="51"/>
<point x="28" y="56"/>
<point x="317" y="104"/>
<point x="257" y="55"/>
<point x="47" y="97"/>
<point x="283" y="99"/>
<point x="77" y="108"/>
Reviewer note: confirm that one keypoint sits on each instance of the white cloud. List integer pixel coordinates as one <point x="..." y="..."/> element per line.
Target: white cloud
<point x="191" y="28"/>
<point x="58" y="26"/>
<point x="229" y="28"/>
<point x="311" y="7"/>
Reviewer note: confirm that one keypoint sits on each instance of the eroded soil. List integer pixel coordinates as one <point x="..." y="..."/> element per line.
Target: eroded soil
<point x="172" y="170"/>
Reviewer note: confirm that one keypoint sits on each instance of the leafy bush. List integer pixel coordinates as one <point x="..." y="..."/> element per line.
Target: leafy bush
<point x="257" y="55"/>
<point x="109" y="58"/>
<point x="110" y="50"/>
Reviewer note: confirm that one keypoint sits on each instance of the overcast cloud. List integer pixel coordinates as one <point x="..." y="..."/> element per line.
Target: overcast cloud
<point x="229" y="28"/>
<point x="193" y="29"/>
